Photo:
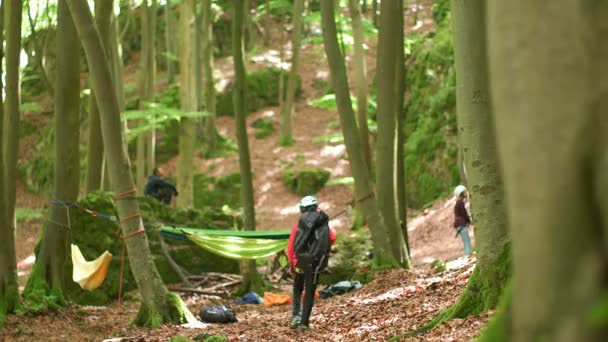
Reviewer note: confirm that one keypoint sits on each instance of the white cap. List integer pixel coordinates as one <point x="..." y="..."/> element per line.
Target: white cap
<point x="459" y="190"/>
<point x="308" y="201"/>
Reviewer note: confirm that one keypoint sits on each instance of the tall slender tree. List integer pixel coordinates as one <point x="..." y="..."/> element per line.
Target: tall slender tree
<point x="12" y="108"/>
<point x="170" y="48"/>
<point x="477" y="140"/>
<point x="9" y="285"/>
<point x="286" y="137"/>
<point x="188" y="100"/>
<point x="158" y="304"/>
<point x="390" y="41"/>
<point x="360" y="78"/>
<point x="363" y="184"/>
<point x="549" y="100"/>
<point x="400" y="162"/>
<point x="46" y="283"/>
<point x="251" y="278"/>
<point x="104" y="13"/>
<point x="208" y="78"/>
<point x="146" y="141"/>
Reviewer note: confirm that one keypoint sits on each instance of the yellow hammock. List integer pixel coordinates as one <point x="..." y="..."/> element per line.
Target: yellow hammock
<point x="89" y="274"/>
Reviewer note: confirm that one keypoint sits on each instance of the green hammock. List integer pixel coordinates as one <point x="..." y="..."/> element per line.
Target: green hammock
<point x="233" y="244"/>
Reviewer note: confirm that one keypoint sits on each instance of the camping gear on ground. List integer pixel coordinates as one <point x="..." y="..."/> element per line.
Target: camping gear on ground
<point x="341" y="288"/>
<point x="272" y="299"/>
<point x="251" y="298"/>
<point x="218" y="314"/>
<point x="89" y="274"/>
<point x="233" y="244"/>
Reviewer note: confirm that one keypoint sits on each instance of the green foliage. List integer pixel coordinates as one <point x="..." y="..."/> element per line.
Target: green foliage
<point x="26" y="128"/>
<point x="26" y="214"/>
<point x="222" y="191"/>
<point x="307" y="181"/>
<point x="180" y="339"/>
<point x="216" y="338"/>
<point x="350" y="259"/>
<point x="264" y="127"/>
<point x="430" y="127"/>
<point x="262" y="91"/>
<point x="438" y="266"/>
<point x="94" y="235"/>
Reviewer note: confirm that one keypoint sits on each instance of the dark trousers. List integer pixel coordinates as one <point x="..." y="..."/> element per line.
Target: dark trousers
<point x="304" y="282"/>
<point x="164" y="194"/>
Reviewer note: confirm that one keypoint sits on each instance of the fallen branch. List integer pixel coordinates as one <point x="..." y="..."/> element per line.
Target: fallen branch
<point x="197" y="291"/>
<point x="174" y="266"/>
<point x="223" y="285"/>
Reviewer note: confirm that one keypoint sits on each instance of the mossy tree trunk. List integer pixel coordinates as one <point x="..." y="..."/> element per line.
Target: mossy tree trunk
<point x="188" y="99"/>
<point x="477" y="141"/>
<point x="159" y="305"/>
<point x="360" y="79"/>
<point x="549" y="98"/>
<point x="146" y="141"/>
<point x="359" y="169"/>
<point x="12" y="109"/>
<point x="93" y="176"/>
<point x="45" y="286"/>
<point x="251" y="279"/>
<point x="9" y="285"/>
<point x="390" y="41"/>
<point x="208" y="79"/>
<point x="286" y="137"/>
<point x="400" y="162"/>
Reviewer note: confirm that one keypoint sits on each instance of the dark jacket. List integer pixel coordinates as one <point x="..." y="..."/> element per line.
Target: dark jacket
<point x="461" y="216"/>
<point x="291" y="254"/>
<point x="156" y="184"/>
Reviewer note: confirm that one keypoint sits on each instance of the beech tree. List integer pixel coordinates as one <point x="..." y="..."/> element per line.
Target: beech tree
<point x="158" y="304"/>
<point x="9" y="285"/>
<point x="251" y="279"/>
<point x="549" y="101"/>
<point x="46" y="282"/>
<point x="363" y="185"/>
<point x="286" y="137"/>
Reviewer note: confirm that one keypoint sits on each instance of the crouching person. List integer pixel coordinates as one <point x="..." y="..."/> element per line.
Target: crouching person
<point x="308" y="252"/>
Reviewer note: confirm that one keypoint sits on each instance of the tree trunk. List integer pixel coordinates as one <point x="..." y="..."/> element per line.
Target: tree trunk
<point x="187" y="127"/>
<point x="146" y="141"/>
<point x="159" y="305"/>
<point x="286" y="138"/>
<point x="363" y="184"/>
<point x="400" y="163"/>
<point x="12" y="19"/>
<point x="208" y="79"/>
<point x="360" y="79"/>
<point x="251" y="279"/>
<point x="390" y="40"/>
<point x="375" y="12"/>
<point x="477" y="141"/>
<point x="104" y="19"/>
<point x="170" y="43"/>
<point x="9" y="285"/>
<point x="267" y="23"/>
<point x="550" y="105"/>
<point x="46" y="286"/>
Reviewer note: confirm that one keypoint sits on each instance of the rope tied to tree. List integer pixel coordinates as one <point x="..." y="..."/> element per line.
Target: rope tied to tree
<point x="123" y="195"/>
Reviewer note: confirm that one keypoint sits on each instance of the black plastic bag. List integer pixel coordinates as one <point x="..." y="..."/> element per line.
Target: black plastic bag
<point x="218" y="314"/>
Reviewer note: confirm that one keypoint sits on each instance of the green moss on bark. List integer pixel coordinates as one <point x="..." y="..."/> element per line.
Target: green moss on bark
<point x="497" y="329"/>
<point x="39" y="297"/>
<point x="174" y="312"/>
<point x="9" y="301"/>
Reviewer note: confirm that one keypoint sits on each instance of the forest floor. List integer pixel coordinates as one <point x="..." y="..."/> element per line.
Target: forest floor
<point x="396" y="301"/>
